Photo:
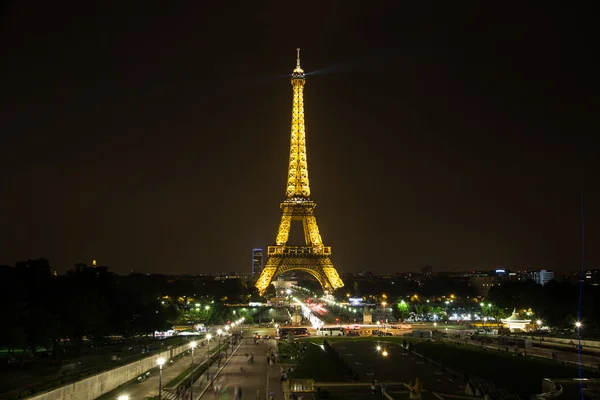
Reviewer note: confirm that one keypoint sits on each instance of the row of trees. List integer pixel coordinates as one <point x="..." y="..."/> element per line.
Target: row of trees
<point x="41" y="310"/>
<point x="556" y="304"/>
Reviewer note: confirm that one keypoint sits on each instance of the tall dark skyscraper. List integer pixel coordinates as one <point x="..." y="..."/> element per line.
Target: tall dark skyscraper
<point x="257" y="261"/>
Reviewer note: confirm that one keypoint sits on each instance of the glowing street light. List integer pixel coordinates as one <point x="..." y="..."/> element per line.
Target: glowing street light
<point x="384" y="353"/>
<point x="207" y="307"/>
<point x="123" y="397"/>
<point x="539" y="323"/>
<point x="378" y="348"/>
<point x="578" y="324"/>
<point x="160" y="362"/>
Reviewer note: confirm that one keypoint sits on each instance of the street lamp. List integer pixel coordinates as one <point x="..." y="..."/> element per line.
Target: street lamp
<point x="378" y="348"/>
<point x="123" y="397"/>
<point x="228" y="339"/>
<point x="578" y="324"/>
<point x="384" y="353"/>
<point x="193" y="346"/>
<point x="160" y="362"/>
<point x="208" y="336"/>
<point x="219" y="332"/>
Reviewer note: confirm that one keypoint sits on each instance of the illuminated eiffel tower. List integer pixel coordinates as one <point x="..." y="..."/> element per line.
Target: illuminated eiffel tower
<point x="313" y="258"/>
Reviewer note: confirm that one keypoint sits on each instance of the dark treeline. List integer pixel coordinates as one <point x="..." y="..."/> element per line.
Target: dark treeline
<point x="439" y="286"/>
<point x="555" y="303"/>
<point x="42" y="310"/>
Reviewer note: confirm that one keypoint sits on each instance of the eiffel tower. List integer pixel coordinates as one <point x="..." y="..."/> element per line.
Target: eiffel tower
<point x="313" y="258"/>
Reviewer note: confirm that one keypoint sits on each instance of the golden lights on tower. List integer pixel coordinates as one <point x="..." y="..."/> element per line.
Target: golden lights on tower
<point x="313" y="257"/>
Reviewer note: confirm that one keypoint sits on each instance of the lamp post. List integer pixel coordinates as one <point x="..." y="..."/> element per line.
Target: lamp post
<point x="539" y="326"/>
<point x="193" y="346"/>
<point x="208" y="336"/>
<point x="123" y="397"/>
<point x="160" y="362"/>
<point x="219" y="332"/>
<point x="228" y="339"/>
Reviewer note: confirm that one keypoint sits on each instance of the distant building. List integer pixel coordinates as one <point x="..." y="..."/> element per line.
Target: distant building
<point x="427" y="271"/>
<point x="542" y="277"/>
<point x="257" y="262"/>
<point x="482" y="282"/>
<point x="221" y="276"/>
<point x="591" y="277"/>
<point x="94" y="268"/>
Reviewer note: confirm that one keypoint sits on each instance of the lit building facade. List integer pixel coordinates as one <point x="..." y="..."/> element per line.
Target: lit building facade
<point x="542" y="277"/>
<point x="257" y="261"/>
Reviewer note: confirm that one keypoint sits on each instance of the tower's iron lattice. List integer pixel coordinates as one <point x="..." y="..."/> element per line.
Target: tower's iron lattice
<point x="313" y="258"/>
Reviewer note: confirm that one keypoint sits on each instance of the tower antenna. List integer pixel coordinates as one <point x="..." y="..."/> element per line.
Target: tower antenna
<point x="298" y="57"/>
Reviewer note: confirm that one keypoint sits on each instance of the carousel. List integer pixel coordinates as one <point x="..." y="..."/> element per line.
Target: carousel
<point x="515" y="323"/>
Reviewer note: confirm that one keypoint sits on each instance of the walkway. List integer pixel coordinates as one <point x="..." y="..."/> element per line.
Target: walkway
<point x="149" y="387"/>
<point x="253" y="379"/>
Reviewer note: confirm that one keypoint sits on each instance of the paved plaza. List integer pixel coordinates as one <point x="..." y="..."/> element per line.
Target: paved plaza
<point x="397" y="366"/>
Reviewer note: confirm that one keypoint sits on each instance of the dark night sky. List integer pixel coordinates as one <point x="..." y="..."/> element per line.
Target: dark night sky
<point x="155" y="137"/>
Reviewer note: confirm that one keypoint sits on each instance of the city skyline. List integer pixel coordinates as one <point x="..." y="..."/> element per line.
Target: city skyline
<point x="454" y="138"/>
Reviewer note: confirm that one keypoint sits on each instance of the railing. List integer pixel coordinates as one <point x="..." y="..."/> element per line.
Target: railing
<point x="298" y="250"/>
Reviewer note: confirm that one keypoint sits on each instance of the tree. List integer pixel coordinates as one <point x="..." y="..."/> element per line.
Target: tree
<point x="401" y="310"/>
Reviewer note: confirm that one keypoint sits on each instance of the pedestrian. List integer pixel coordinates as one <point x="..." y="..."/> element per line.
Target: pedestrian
<point x="239" y="393"/>
<point x="219" y="387"/>
<point x="235" y="393"/>
<point x="373" y="389"/>
<point x="382" y="389"/>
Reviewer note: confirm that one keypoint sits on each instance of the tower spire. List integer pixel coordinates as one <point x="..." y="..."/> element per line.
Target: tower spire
<point x="297" y="181"/>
